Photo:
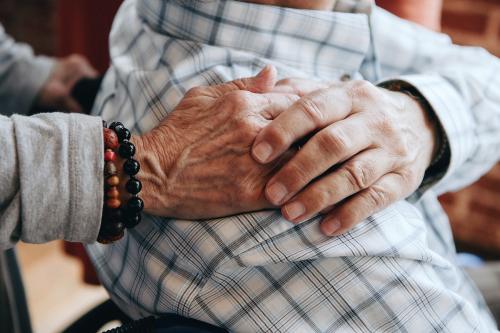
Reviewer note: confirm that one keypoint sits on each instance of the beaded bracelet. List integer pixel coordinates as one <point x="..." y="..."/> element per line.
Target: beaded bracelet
<point x="116" y="217"/>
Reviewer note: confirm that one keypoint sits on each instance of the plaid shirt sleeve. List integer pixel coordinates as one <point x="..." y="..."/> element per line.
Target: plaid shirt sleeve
<point x="458" y="82"/>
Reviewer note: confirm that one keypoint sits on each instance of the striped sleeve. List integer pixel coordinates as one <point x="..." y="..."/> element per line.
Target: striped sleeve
<point x="458" y="82"/>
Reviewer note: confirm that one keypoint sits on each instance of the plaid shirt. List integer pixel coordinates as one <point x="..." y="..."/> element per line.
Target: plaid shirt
<point x="257" y="272"/>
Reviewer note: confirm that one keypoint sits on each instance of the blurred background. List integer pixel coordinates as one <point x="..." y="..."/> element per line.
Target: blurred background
<point x="55" y="281"/>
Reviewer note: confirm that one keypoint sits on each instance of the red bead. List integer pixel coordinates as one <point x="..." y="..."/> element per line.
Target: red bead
<point x="110" y="139"/>
<point x="109" y="155"/>
<point x="113" y="193"/>
<point x="113" y="203"/>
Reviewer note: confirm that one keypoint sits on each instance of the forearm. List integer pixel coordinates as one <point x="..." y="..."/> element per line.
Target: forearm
<point x="23" y="75"/>
<point x="51" y="178"/>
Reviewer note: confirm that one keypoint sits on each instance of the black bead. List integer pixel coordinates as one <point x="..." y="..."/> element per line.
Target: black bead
<point x="126" y="149"/>
<point x="132" y="221"/>
<point x="122" y="133"/>
<point x="131" y="167"/>
<point x="134" y="205"/>
<point x="114" y="125"/>
<point x="112" y="229"/>
<point x="133" y="186"/>
<point x="113" y="215"/>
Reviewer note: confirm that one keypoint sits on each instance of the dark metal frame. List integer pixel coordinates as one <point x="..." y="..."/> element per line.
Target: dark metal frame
<point x="14" y="292"/>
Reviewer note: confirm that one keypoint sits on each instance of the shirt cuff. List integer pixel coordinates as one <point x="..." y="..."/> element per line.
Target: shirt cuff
<point x="61" y="176"/>
<point x="86" y="177"/>
<point x="455" y="120"/>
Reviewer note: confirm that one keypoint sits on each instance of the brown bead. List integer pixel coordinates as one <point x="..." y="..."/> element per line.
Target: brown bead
<point x="113" y="193"/>
<point x="113" y="203"/>
<point x="110" y="139"/>
<point x="110" y="169"/>
<point x="113" y="181"/>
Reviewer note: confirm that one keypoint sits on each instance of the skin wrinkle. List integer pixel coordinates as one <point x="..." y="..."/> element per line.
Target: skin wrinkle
<point x="217" y="146"/>
<point x="210" y="144"/>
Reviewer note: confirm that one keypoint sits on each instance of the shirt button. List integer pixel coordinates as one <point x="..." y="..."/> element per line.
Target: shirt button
<point x="345" y="77"/>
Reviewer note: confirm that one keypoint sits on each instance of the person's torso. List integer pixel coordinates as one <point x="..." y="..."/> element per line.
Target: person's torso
<point x="160" y="50"/>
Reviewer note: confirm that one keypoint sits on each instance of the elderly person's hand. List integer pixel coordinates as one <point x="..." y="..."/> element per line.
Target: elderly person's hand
<point x="366" y="148"/>
<point x="56" y="92"/>
<point x="197" y="163"/>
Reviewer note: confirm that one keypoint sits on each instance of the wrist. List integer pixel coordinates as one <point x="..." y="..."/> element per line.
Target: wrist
<point x="431" y="133"/>
<point x="156" y="160"/>
<point x="421" y="115"/>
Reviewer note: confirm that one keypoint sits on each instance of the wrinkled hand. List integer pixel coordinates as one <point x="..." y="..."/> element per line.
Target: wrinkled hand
<point x="56" y="92"/>
<point x="197" y="163"/>
<point x="369" y="148"/>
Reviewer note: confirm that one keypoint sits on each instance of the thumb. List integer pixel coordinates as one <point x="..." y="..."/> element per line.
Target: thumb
<point x="261" y="83"/>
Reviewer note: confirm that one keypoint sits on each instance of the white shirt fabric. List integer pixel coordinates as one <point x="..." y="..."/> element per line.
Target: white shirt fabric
<point x="256" y="272"/>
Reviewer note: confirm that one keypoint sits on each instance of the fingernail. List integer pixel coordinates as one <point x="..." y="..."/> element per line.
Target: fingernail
<point x="276" y="193"/>
<point x="294" y="210"/>
<point x="262" y="151"/>
<point x="330" y="227"/>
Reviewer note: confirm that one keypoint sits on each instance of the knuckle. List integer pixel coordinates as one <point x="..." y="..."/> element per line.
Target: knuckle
<point x="296" y="175"/>
<point x="239" y="99"/>
<point x="276" y="136"/>
<point x="316" y="201"/>
<point x="322" y="196"/>
<point x="250" y="126"/>
<point x="311" y="110"/>
<point x="332" y="142"/>
<point x="377" y="197"/>
<point x="362" y="89"/>
<point x="247" y="127"/>
<point x="358" y="175"/>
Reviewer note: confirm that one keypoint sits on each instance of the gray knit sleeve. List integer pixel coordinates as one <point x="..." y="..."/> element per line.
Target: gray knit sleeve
<point x="22" y="75"/>
<point x="51" y="182"/>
